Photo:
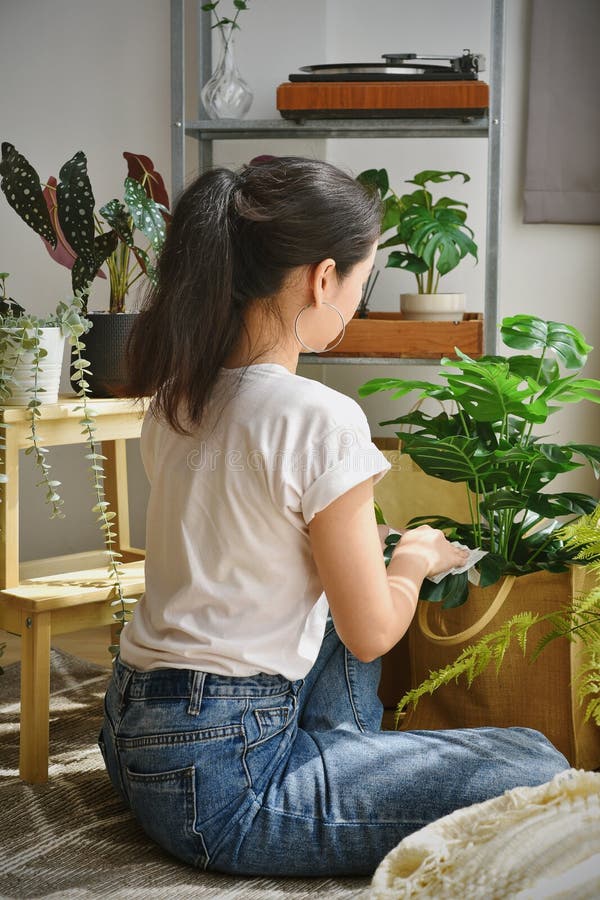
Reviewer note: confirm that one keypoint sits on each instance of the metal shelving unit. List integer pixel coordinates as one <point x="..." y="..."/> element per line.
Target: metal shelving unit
<point x="206" y="131"/>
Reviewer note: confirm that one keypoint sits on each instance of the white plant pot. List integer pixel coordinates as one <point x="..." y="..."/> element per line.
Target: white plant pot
<point x="48" y="375"/>
<point x="432" y="307"/>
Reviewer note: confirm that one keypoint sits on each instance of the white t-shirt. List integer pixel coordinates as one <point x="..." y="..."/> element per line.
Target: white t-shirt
<point x="231" y="583"/>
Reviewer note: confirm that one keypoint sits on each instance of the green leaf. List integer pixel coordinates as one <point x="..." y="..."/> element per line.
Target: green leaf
<point x="565" y="503"/>
<point x="379" y="517"/>
<point x="451" y="591"/>
<point x="440" y="237"/>
<point x="436" y="177"/>
<point x="400" y="387"/>
<point x="117" y="216"/>
<point x="524" y="332"/>
<point x="75" y="200"/>
<point x="490" y="392"/>
<point x="392" y="213"/>
<point x="454" y="459"/>
<point x="589" y="452"/>
<point x="86" y="267"/>
<point x="572" y="390"/>
<point x="22" y="188"/>
<point x="491" y="568"/>
<point x="398" y="259"/>
<point x="146" y="213"/>
<point x="375" y="178"/>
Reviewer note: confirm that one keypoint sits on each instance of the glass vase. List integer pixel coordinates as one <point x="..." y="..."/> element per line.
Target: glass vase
<point x="226" y="95"/>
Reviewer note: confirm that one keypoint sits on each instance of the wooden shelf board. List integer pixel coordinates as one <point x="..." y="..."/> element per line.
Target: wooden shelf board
<point x="389" y="335"/>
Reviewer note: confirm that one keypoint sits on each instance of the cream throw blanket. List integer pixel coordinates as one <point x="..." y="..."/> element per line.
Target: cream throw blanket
<point x="530" y="843"/>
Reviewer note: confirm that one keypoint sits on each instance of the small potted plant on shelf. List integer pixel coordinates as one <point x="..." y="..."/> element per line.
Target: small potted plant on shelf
<point x="63" y="214"/>
<point x="31" y="353"/>
<point x="485" y="438"/>
<point x="434" y="237"/>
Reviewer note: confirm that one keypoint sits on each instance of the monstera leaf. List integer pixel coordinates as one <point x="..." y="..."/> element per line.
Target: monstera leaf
<point x="530" y="333"/>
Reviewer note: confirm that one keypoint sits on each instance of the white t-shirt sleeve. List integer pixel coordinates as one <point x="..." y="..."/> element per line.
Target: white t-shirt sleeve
<point x="344" y="458"/>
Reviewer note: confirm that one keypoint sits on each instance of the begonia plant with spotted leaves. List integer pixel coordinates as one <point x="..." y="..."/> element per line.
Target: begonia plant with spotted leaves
<point x="63" y="213"/>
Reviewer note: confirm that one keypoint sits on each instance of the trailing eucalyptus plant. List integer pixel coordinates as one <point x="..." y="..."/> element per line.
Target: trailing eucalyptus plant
<point x="21" y="342"/>
<point x="434" y="235"/>
<point x="63" y="214"/>
<point x="486" y="440"/>
<point x="20" y="335"/>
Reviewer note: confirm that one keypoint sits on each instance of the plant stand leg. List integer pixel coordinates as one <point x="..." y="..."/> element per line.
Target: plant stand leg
<point x="117" y="494"/>
<point x="35" y="698"/>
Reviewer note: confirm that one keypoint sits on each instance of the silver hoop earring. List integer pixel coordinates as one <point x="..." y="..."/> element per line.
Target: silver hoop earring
<point x="312" y="349"/>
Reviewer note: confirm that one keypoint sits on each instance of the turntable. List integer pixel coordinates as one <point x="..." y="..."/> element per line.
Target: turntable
<point x="405" y="85"/>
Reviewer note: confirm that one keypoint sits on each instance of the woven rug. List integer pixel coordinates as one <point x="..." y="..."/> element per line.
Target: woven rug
<point x="73" y="838"/>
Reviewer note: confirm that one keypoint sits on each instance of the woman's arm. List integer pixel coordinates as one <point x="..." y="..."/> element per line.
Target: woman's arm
<point x="373" y="606"/>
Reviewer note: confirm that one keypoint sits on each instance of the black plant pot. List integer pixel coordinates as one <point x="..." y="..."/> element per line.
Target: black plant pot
<point x="105" y="349"/>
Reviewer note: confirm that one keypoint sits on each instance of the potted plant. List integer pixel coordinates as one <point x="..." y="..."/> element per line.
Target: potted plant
<point x="63" y="214"/>
<point x="30" y="377"/>
<point x="435" y="238"/>
<point x="486" y="440"/>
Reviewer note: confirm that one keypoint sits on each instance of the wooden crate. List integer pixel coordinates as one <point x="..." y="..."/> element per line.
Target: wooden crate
<point x="387" y="334"/>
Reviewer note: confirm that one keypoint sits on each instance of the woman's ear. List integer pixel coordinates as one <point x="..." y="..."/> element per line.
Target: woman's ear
<point x="321" y="280"/>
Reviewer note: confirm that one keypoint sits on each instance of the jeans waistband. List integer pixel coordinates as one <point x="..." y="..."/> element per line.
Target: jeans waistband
<point x="182" y="683"/>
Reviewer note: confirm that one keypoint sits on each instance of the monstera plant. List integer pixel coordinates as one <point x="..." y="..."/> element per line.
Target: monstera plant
<point x="430" y="238"/>
<point x="494" y="437"/>
<point x="485" y="439"/>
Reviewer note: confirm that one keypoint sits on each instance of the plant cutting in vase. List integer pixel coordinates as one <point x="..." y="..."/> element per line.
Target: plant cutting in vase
<point x="434" y="235"/>
<point x="486" y="441"/>
<point x="63" y="214"/>
<point x="226" y="95"/>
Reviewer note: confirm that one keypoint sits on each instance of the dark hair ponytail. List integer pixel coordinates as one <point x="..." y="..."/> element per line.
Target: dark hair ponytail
<point x="233" y="239"/>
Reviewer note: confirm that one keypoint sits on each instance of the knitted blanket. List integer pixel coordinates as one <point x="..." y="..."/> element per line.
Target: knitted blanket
<point x="532" y="842"/>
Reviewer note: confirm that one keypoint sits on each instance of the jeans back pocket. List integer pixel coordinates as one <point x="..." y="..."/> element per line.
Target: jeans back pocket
<point x="164" y="803"/>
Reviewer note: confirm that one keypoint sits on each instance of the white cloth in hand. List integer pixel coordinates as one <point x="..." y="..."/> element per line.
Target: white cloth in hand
<point x="473" y="558"/>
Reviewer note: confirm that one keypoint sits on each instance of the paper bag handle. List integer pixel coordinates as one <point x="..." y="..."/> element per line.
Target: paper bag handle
<point x="450" y="640"/>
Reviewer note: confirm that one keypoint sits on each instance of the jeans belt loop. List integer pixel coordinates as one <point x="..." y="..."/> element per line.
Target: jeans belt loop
<point x="196" y="693"/>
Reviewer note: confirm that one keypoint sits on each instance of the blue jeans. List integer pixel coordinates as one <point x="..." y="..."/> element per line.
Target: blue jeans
<point x="262" y="776"/>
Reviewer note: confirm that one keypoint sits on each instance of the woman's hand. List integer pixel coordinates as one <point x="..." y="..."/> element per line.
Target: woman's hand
<point x="430" y="546"/>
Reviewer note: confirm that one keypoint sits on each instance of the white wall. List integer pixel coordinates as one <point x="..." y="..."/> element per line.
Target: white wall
<point x="77" y="74"/>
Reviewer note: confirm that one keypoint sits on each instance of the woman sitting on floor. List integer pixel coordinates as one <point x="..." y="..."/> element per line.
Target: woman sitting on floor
<point x="242" y="722"/>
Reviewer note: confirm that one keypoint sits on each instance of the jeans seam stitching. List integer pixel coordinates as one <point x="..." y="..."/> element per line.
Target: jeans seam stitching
<point x="350" y="694"/>
<point x="245" y="750"/>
